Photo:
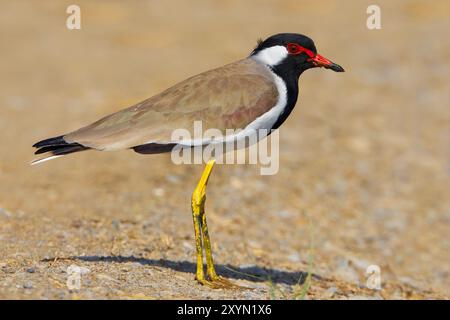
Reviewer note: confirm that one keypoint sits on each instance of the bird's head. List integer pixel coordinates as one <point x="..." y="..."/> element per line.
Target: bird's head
<point x="291" y="53"/>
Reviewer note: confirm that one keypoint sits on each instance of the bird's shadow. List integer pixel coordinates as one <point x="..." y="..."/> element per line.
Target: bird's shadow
<point x="251" y="273"/>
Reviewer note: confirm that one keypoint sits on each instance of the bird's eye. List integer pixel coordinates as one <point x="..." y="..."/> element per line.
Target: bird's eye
<point x="296" y="49"/>
<point x="293" y="48"/>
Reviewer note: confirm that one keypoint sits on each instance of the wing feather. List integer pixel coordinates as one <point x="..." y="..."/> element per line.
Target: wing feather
<point x="229" y="97"/>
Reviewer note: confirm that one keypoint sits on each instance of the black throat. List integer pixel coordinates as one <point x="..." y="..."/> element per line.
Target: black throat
<point x="290" y="77"/>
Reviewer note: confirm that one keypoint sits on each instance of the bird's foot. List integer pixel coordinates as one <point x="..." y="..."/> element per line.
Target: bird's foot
<point x="217" y="282"/>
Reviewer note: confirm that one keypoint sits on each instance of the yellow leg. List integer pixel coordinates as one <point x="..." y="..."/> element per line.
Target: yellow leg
<point x="198" y="244"/>
<point x="202" y="235"/>
<point x="217" y="281"/>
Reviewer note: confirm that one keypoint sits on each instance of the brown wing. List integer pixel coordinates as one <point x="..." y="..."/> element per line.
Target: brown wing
<point x="229" y="97"/>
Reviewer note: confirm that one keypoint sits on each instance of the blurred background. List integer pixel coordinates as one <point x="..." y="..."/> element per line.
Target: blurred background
<point x="364" y="158"/>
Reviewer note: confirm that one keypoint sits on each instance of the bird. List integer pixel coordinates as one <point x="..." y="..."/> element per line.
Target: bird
<point x="254" y="93"/>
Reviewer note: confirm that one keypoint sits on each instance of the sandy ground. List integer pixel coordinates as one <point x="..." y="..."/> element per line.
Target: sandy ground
<point x="364" y="159"/>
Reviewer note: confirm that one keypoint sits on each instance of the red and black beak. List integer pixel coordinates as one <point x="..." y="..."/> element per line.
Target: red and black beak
<point x="320" y="61"/>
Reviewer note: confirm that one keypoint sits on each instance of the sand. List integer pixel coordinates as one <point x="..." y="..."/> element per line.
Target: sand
<point x="364" y="173"/>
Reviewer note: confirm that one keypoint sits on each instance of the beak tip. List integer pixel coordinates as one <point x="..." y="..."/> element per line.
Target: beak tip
<point x="337" y="68"/>
<point x="320" y="61"/>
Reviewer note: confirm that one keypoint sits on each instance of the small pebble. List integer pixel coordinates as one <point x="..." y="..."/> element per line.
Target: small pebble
<point x="329" y="293"/>
<point x="172" y="178"/>
<point x="294" y="257"/>
<point x="74" y="269"/>
<point x="159" y="192"/>
<point x="115" y="224"/>
<point x="28" y="285"/>
<point x="5" y="213"/>
<point x="284" y="214"/>
<point x="188" y="245"/>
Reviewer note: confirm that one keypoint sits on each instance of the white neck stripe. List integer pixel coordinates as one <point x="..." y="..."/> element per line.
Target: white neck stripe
<point x="271" y="56"/>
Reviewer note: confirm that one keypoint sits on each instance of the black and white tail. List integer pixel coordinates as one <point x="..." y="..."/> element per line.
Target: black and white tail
<point x="54" y="148"/>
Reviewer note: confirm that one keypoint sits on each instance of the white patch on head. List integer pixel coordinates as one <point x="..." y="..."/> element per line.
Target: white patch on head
<point x="271" y="56"/>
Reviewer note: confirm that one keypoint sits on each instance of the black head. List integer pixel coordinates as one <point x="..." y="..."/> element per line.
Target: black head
<point x="290" y="54"/>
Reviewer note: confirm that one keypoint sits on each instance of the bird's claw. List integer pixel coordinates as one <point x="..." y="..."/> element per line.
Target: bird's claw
<point x="218" y="282"/>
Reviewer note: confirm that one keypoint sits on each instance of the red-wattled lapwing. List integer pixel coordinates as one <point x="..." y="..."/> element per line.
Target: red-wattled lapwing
<point x="258" y="92"/>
